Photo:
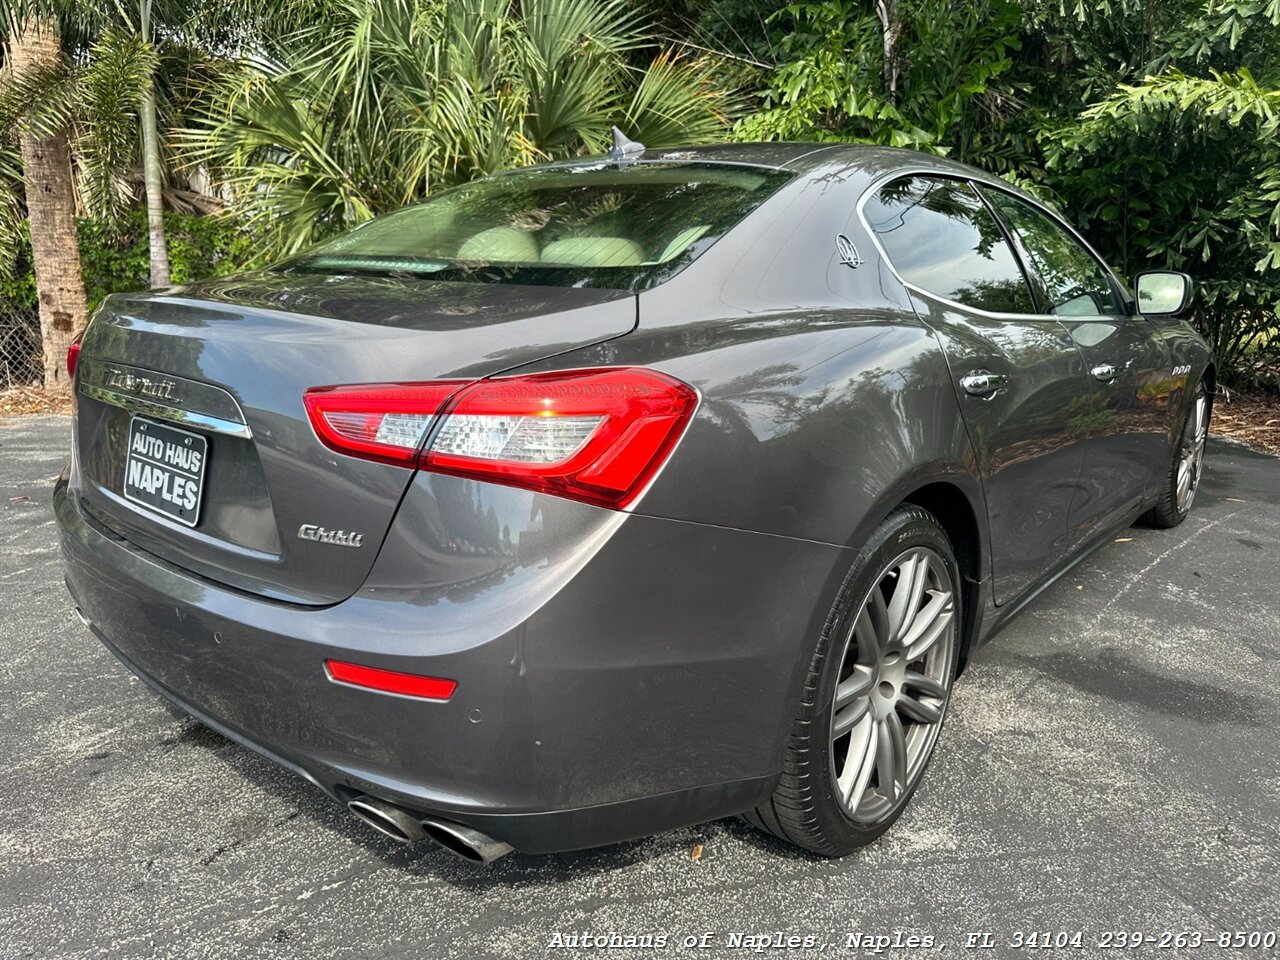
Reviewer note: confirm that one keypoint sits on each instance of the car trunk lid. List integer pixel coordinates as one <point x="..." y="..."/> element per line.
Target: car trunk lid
<point x="222" y="368"/>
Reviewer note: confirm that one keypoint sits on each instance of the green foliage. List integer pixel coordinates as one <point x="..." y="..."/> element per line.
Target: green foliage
<point x="112" y="83"/>
<point x="1154" y="126"/>
<point x="1183" y="172"/>
<point x="737" y="28"/>
<point x="12" y="214"/>
<point x="382" y="102"/>
<point x="115" y="256"/>
<point x="831" y="84"/>
<point x="114" y="53"/>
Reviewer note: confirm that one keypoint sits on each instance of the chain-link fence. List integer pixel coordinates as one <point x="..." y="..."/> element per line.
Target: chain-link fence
<point x="21" y="356"/>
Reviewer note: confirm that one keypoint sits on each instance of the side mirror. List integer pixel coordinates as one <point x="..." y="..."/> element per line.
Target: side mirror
<point x="1163" y="293"/>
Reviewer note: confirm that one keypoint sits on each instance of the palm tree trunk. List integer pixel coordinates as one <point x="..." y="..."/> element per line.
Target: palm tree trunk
<point x="51" y="209"/>
<point x="153" y="175"/>
<point x="153" y="172"/>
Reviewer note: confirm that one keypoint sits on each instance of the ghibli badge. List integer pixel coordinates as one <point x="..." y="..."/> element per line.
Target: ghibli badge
<point x="310" y="531"/>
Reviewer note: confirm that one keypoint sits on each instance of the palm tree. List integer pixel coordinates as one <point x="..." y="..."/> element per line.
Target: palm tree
<point x="34" y="52"/>
<point x="139" y="51"/>
<point x="125" y="70"/>
<point x="387" y="100"/>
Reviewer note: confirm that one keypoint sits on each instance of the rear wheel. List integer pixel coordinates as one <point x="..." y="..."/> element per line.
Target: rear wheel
<point x="876" y="692"/>
<point x="1188" y="463"/>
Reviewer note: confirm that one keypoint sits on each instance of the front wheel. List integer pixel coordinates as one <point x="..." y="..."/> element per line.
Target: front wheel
<point x="876" y="692"/>
<point x="1188" y="463"/>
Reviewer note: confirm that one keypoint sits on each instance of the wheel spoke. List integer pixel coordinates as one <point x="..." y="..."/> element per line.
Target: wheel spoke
<point x="912" y="574"/>
<point x="927" y="686"/>
<point x="853" y="687"/>
<point x="849" y="717"/>
<point x="891" y="756"/>
<point x="1184" y="480"/>
<point x="928" y="624"/>
<point x="859" y="763"/>
<point x="864" y="635"/>
<point x="878" y="612"/>
<point x="919" y="710"/>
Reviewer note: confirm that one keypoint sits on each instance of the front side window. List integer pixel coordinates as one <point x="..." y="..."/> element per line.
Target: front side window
<point x="940" y="237"/>
<point x="1072" y="282"/>
<point x="604" y="225"/>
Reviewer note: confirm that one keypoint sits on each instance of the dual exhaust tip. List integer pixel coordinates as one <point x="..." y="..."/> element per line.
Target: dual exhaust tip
<point x="404" y="826"/>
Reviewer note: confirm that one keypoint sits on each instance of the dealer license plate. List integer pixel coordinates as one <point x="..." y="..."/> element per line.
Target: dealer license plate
<point x="164" y="470"/>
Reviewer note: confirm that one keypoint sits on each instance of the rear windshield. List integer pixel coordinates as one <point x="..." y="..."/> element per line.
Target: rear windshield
<point x="620" y="226"/>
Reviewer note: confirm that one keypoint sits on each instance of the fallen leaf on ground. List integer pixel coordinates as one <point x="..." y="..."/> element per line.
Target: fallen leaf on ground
<point x="22" y="401"/>
<point x="696" y="854"/>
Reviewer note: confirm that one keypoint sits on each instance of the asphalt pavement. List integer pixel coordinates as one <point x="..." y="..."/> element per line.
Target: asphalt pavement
<point x="1111" y="763"/>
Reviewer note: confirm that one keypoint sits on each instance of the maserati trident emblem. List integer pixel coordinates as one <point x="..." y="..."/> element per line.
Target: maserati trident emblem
<point x="847" y="252"/>
<point x="340" y="538"/>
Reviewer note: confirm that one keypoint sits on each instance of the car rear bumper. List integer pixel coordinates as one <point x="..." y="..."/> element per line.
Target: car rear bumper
<point x="642" y="682"/>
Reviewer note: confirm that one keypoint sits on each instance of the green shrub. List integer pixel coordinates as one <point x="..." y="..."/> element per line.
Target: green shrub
<point x="116" y="258"/>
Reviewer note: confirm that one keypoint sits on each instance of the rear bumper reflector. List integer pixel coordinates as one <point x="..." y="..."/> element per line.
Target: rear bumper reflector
<point x="390" y="681"/>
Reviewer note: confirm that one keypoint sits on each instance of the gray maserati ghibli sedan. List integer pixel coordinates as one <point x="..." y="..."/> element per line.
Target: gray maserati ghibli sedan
<point x="603" y="497"/>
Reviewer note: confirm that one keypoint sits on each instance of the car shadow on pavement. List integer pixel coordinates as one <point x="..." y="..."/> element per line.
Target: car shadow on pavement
<point x="1108" y="674"/>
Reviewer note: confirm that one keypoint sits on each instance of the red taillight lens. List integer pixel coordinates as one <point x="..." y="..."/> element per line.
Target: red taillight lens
<point x="592" y="435"/>
<point x="73" y="357"/>
<point x="391" y="681"/>
<point x="382" y="421"/>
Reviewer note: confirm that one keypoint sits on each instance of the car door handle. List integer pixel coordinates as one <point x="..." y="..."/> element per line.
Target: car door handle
<point x="1104" y="372"/>
<point x="983" y="383"/>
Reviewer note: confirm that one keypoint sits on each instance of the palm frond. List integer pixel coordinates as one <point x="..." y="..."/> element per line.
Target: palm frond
<point x="12" y="208"/>
<point x="387" y="101"/>
<point x="110" y="87"/>
<point x="678" y="101"/>
<point x="41" y="101"/>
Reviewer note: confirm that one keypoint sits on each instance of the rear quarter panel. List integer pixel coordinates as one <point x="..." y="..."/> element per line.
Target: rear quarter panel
<point x="812" y="425"/>
<point x="825" y="401"/>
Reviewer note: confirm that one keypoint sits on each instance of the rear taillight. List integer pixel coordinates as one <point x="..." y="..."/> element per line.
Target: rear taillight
<point x="386" y="421"/>
<point x="73" y="357"/>
<point x="592" y="435"/>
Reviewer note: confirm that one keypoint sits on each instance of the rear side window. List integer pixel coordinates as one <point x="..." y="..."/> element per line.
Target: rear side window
<point x="940" y="237"/>
<point x="606" y="225"/>
<point x="1072" y="283"/>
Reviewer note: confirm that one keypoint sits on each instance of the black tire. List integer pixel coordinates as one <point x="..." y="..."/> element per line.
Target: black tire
<point x="1171" y="509"/>
<point x="804" y="808"/>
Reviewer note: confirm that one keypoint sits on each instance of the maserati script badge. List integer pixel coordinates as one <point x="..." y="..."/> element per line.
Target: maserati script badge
<point x="309" y="531"/>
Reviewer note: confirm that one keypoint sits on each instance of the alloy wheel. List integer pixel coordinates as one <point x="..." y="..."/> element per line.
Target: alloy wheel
<point x="1191" y="458"/>
<point x="895" y="678"/>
